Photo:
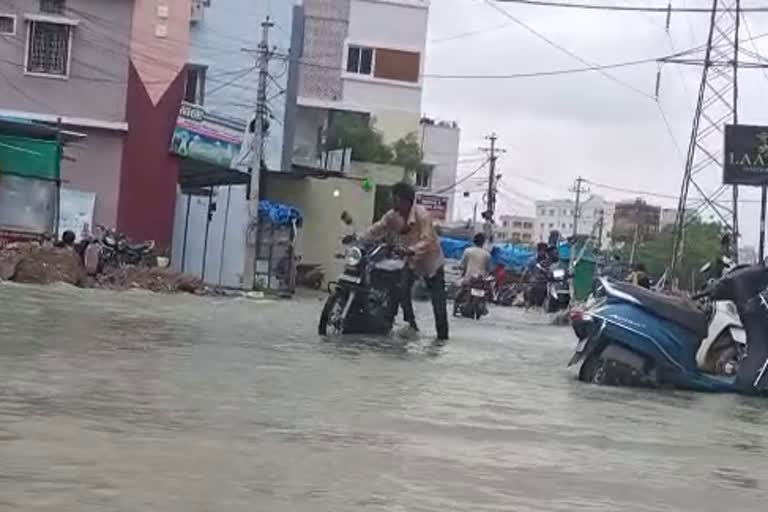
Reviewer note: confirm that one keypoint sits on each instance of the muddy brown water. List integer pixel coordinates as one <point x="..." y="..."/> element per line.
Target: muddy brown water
<point x="140" y="402"/>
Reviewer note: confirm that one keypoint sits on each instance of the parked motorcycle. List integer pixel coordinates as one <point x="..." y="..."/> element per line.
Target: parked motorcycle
<point x="473" y="300"/>
<point x="108" y="248"/>
<point x="633" y="336"/>
<point x="558" y="291"/>
<point x="364" y="300"/>
<point x="726" y="339"/>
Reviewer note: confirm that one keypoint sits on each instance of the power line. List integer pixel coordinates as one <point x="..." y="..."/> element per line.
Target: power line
<point x="566" y="51"/>
<point x="626" y="8"/>
<point x="465" y="178"/>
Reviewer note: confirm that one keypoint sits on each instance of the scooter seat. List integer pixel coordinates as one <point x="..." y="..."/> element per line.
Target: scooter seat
<point x="681" y="311"/>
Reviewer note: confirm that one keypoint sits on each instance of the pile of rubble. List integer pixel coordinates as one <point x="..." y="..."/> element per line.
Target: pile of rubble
<point x="154" y="279"/>
<point x="31" y="263"/>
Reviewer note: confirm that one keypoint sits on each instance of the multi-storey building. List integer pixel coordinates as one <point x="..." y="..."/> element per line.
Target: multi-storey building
<point x="635" y="220"/>
<point x="364" y="57"/>
<point x="595" y="218"/>
<point x="516" y="229"/>
<point x="435" y="180"/>
<point x="113" y="72"/>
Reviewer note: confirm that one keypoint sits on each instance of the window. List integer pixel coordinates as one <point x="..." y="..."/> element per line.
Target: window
<point x="397" y="65"/>
<point x="48" y="48"/>
<point x="52" y="6"/>
<point x="7" y="24"/>
<point x="551" y="213"/>
<point x="542" y="211"/>
<point x="423" y="177"/>
<point x="194" y="90"/>
<point x="517" y="224"/>
<point x="360" y="60"/>
<point x="543" y="225"/>
<point x="551" y="225"/>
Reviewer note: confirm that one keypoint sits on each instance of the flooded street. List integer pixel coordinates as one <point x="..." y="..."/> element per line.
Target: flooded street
<point x="177" y="404"/>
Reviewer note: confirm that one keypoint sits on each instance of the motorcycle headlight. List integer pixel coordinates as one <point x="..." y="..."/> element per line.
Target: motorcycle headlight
<point x="558" y="274"/>
<point x="353" y="256"/>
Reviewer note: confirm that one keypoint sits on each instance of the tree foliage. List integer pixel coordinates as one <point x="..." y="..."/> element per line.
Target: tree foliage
<point x="702" y="245"/>
<point x="408" y="152"/>
<point x="353" y="131"/>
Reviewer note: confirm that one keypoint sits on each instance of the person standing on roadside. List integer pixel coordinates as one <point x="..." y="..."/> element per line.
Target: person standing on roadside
<point x="412" y="225"/>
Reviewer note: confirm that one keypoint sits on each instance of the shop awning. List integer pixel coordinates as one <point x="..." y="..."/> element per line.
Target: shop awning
<point x="198" y="174"/>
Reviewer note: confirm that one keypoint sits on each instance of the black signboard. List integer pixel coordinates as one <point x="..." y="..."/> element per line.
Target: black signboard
<point x="746" y="155"/>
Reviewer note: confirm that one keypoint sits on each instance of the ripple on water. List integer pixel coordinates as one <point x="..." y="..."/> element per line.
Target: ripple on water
<point x="138" y="401"/>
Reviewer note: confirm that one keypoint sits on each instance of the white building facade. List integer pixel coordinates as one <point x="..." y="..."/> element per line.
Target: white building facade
<point x="360" y="56"/>
<point x="516" y="229"/>
<point x="558" y="214"/>
<point x="435" y="182"/>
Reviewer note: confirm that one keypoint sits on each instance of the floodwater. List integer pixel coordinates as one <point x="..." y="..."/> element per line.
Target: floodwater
<point x="138" y="402"/>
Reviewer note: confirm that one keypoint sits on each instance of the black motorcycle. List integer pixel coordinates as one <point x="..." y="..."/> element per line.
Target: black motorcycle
<point x="365" y="298"/>
<point x="472" y="300"/>
<point x="110" y="249"/>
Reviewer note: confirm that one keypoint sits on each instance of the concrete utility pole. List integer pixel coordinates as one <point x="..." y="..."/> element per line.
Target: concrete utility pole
<point x="257" y="146"/>
<point x="488" y="215"/>
<point x="578" y="189"/>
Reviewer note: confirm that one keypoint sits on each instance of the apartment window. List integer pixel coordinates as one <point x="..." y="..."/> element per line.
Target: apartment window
<point x="194" y="91"/>
<point x="551" y="213"/>
<point x="397" y="65"/>
<point x="543" y="225"/>
<point x="423" y="177"/>
<point x="551" y="225"/>
<point x="48" y="48"/>
<point x="53" y="6"/>
<point x="7" y="24"/>
<point x="542" y="211"/>
<point x="360" y="60"/>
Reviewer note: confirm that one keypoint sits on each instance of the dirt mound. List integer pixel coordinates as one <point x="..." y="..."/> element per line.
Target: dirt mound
<point x="10" y="256"/>
<point x="154" y="279"/>
<point x="48" y="266"/>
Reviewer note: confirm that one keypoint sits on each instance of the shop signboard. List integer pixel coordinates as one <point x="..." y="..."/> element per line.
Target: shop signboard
<point x="746" y="155"/>
<point x="207" y="138"/>
<point x="436" y="205"/>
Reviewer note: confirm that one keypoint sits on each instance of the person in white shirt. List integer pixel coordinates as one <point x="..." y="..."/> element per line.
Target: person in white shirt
<point x="476" y="262"/>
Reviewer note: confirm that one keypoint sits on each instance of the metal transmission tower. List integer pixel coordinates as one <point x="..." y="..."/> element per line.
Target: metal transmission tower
<point x="716" y="106"/>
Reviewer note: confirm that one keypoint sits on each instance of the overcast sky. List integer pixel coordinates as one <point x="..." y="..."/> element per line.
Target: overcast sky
<point x="556" y="128"/>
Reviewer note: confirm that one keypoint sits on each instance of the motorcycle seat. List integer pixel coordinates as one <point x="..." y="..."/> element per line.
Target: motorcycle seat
<point x="678" y="310"/>
<point x="146" y="246"/>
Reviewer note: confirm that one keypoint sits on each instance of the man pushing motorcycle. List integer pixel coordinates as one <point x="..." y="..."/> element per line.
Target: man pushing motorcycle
<point x="411" y="224"/>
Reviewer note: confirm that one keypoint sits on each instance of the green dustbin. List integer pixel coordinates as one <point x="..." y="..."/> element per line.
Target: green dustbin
<point x="583" y="270"/>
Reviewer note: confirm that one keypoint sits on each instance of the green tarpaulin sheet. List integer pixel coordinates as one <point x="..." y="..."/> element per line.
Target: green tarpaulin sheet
<point x="31" y="158"/>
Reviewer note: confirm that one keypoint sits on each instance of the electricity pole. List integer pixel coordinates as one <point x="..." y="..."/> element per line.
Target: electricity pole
<point x="601" y="226"/>
<point x="578" y="189"/>
<point x="491" y="210"/>
<point x="257" y="146"/>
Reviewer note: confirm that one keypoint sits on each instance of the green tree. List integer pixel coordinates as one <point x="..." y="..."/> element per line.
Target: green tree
<point x="407" y="151"/>
<point x="702" y="245"/>
<point x="349" y="130"/>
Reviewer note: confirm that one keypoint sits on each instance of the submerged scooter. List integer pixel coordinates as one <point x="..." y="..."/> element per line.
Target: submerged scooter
<point x="726" y="339"/>
<point x="636" y="337"/>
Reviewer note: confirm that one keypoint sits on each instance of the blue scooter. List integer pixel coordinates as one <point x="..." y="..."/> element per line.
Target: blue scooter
<point x="636" y="337"/>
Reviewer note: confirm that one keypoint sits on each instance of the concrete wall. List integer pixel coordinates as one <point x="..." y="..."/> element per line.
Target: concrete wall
<point x="157" y="58"/>
<point x="440" y="146"/>
<point x="96" y="86"/>
<point x="325" y="30"/>
<point x="379" y="174"/>
<point x="97" y="170"/>
<point x="320" y="238"/>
